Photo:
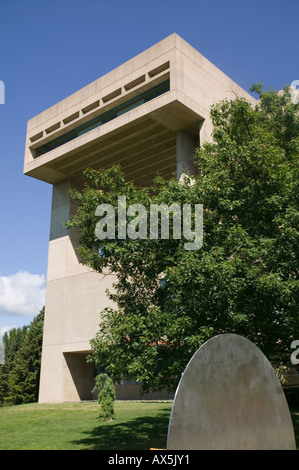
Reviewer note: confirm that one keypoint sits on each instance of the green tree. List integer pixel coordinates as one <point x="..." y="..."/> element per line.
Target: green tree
<point x="1" y="352"/>
<point x="243" y="280"/>
<point x="12" y="341"/>
<point x="23" y="379"/>
<point x="19" y="375"/>
<point x="106" y="397"/>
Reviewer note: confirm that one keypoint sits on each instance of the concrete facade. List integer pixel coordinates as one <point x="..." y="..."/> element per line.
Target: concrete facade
<point x="148" y="115"/>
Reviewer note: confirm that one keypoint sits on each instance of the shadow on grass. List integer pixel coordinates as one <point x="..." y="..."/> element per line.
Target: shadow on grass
<point x="140" y="433"/>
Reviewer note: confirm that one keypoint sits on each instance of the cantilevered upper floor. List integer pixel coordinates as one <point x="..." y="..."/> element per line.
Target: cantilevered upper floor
<point x="130" y="116"/>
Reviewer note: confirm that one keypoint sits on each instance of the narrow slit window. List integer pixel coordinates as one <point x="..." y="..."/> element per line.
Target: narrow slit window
<point x="71" y="118"/>
<point x="36" y="137"/>
<point x="135" y="83"/>
<point x="112" y="95"/>
<point x="91" y="106"/>
<point x="159" y="69"/>
<point x="53" y="128"/>
<point x="105" y="117"/>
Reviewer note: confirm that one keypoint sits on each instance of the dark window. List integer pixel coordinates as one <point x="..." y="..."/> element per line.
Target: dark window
<point x="105" y="117"/>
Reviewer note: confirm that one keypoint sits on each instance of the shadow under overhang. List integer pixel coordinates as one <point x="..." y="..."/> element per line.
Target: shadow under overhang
<point x="144" y="144"/>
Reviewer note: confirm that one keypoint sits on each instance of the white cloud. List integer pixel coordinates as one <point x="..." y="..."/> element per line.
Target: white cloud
<point x="6" y="329"/>
<point x="22" y="293"/>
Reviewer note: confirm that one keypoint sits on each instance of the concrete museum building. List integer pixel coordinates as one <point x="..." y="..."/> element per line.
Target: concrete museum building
<point x="149" y="115"/>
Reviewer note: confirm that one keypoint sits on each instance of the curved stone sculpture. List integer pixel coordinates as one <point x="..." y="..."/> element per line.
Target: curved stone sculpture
<point x="230" y="398"/>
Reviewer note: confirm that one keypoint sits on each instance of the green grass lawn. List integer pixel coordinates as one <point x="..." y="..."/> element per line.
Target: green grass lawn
<point x="75" y="426"/>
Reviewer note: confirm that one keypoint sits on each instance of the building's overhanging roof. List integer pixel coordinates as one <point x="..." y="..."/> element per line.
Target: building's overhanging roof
<point x="143" y="139"/>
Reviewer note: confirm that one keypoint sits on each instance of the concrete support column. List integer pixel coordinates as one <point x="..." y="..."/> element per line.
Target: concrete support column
<point x="75" y="297"/>
<point x="185" y="149"/>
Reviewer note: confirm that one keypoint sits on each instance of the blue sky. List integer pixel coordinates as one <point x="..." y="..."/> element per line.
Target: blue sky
<point x="49" y="50"/>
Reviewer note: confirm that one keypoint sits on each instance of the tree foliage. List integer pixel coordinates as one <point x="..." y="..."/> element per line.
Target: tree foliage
<point x="244" y="279"/>
<point x="106" y="397"/>
<point x="1" y="352"/>
<point x="19" y="375"/>
<point x="12" y="341"/>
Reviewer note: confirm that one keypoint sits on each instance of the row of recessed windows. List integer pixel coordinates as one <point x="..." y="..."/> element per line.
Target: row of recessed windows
<point x="105" y="117"/>
<point x="105" y="99"/>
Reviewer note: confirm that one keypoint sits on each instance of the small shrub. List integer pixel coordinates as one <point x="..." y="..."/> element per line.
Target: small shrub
<point x="106" y="397"/>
